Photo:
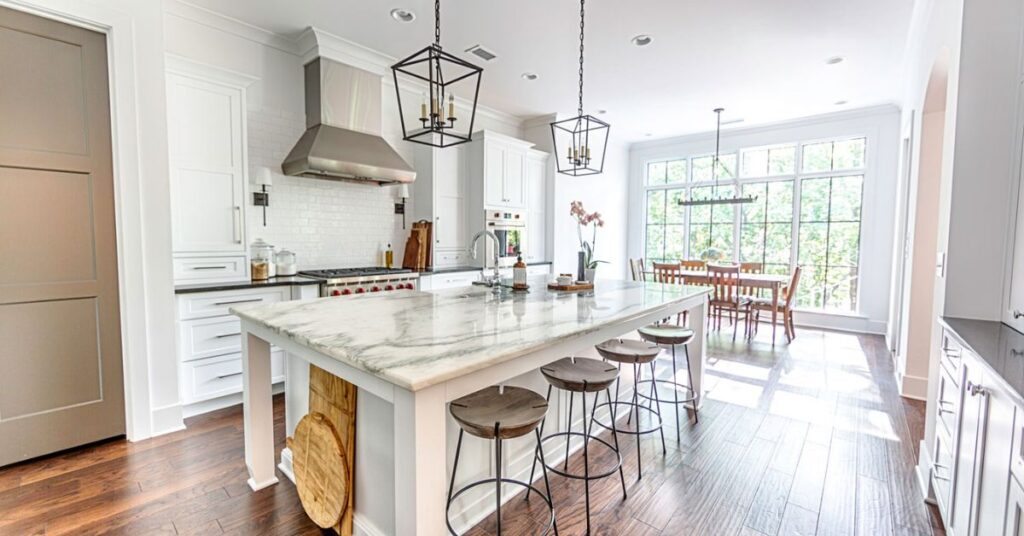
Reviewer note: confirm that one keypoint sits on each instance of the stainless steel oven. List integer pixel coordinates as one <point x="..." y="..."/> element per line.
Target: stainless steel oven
<point x="510" y="228"/>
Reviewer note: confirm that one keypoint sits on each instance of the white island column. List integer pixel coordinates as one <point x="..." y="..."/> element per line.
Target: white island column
<point x="420" y="474"/>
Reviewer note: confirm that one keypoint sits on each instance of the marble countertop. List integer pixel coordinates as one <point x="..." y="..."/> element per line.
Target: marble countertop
<point x="286" y="280"/>
<point x="1000" y="347"/>
<point x="416" y="339"/>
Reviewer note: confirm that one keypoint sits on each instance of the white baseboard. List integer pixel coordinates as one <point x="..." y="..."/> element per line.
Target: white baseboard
<point x="167" y="419"/>
<point x="924" y="471"/>
<point x="226" y="401"/>
<point x="838" y="322"/>
<point x="913" y="387"/>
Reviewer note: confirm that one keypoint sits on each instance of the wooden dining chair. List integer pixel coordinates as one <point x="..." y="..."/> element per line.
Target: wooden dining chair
<point x="694" y="265"/>
<point x="636" y="268"/>
<point x="668" y="272"/>
<point x="783" y="309"/>
<point x="751" y="268"/>
<point x="725" y="296"/>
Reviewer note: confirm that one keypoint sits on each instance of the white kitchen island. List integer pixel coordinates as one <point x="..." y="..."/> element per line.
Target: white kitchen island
<point x="410" y="353"/>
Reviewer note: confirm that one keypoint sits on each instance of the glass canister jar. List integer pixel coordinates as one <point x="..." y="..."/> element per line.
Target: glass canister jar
<point x="286" y="263"/>
<point x="261" y="264"/>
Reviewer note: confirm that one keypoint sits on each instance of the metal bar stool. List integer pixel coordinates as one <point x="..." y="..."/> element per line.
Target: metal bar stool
<point x="637" y="354"/>
<point x="499" y="413"/>
<point x="581" y="375"/>
<point x="671" y="335"/>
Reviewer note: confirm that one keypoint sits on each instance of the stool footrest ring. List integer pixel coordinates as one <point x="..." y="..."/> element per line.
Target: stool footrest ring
<point x="668" y="399"/>
<point x="630" y="405"/>
<point x="557" y="471"/>
<point x="528" y="487"/>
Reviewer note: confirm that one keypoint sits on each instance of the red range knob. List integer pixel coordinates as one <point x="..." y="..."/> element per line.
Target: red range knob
<point x="389" y="287"/>
<point x="346" y="292"/>
<point x="410" y="286"/>
<point x="335" y="292"/>
<point x="360" y="290"/>
<point x="375" y="289"/>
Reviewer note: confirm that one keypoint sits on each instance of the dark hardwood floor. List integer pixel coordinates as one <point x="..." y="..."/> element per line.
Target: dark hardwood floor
<point x="810" y="438"/>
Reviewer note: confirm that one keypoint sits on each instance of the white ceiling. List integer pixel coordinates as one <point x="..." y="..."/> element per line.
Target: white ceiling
<point x="763" y="61"/>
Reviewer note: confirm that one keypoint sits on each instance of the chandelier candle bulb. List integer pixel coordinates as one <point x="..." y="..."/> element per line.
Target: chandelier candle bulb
<point x="451" y="107"/>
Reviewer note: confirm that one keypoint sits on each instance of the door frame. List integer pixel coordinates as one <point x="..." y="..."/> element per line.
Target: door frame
<point x="136" y="302"/>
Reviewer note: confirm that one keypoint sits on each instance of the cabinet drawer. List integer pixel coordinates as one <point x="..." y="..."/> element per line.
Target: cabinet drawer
<point x="942" y="470"/>
<point x="952" y="353"/>
<point x="209" y="269"/>
<point x="451" y="258"/>
<point x="213" y="377"/>
<point x="208" y="337"/>
<point x="947" y="401"/>
<point x="208" y="304"/>
<point x="460" y="279"/>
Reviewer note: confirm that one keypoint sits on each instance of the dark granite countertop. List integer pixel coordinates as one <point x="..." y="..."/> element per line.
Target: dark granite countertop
<point x="235" y="285"/>
<point x="1000" y="347"/>
<point x="457" y="269"/>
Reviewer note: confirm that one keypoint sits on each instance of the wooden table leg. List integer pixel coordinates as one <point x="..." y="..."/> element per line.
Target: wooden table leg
<point x="420" y="462"/>
<point x="257" y="411"/>
<point x="698" y="349"/>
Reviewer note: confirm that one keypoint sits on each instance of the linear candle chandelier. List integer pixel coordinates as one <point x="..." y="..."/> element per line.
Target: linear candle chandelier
<point x="714" y="199"/>
<point x="437" y="123"/>
<point x="580" y="142"/>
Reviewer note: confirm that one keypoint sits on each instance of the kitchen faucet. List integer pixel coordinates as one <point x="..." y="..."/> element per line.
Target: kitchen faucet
<point x="493" y="280"/>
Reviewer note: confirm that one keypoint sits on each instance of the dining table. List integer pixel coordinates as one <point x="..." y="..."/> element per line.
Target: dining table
<point x="774" y="283"/>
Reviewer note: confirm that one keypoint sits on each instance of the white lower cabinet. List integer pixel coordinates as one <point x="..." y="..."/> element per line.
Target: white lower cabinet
<point x="210" y="346"/>
<point x="1015" y="511"/>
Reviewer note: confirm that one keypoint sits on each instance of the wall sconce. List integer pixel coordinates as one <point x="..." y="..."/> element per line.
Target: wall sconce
<point x="264" y="179"/>
<point x="403" y="195"/>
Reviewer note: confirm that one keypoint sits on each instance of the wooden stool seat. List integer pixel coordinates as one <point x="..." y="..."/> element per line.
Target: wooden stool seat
<point x="666" y="334"/>
<point x="628" y="351"/>
<point x="490" y="413"/>
<point x="580" y="375"/>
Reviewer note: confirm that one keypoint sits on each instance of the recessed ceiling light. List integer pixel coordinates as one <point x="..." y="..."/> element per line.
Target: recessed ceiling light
<point x="642" y="40"/>
<point x="834" y="60"/>
<point x="648" y="135"/>
<point x="530" y="76"/>
<point x="840" y="102"/>
<point x="403" y="15"/>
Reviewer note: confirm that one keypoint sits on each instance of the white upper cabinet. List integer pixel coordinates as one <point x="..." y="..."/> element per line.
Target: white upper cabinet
<point x="499" y="162"/>
<point x="536" y="201"/>
<point x="207" y="157"/>
<point x="439" y="196"/>
<point x="1014" y="311"/>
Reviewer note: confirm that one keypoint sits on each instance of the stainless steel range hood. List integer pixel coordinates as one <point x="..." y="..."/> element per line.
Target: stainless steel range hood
<point x="343" y="125"/>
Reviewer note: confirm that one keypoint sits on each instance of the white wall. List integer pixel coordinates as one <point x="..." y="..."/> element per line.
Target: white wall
<point x="880" y="125"/>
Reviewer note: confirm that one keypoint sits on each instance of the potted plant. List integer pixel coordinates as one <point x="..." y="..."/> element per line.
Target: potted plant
<point x="587" y="262"/>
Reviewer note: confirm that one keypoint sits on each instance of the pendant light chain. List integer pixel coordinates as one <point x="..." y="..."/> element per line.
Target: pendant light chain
<point x="437" y="23"/>
<point x="582" y="13"/>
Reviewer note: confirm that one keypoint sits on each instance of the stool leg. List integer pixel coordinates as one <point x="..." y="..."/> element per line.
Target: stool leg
<point x="636" y="410"/>
<point x="689" y="374"/>
<point x="455" y="466"/>
<point x="615" y="438"/>
<point x="568" y="439"/>
<point x="539" y="446"/>
<point x="657" y="407"/>
<point x="675" y="389"/>
<point x="586" y="461"/>
<point x="547" y="485"/>
<point x="618" y="382"/>
<point x="497" y="479"/>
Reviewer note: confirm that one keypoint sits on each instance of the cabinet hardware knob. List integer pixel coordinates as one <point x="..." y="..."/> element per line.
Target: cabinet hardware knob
<point x="975" y="389"/>
<point x="1017" y="314"/>
<point x="1016" y="353"/>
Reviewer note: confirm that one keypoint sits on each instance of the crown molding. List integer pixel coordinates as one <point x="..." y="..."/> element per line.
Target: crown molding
<point x="315" y="42"/>
<point x="217" y="21"/>
<point x="192" y="68"/>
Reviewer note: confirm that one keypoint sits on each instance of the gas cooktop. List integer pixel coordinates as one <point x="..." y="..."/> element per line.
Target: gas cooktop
<point x="336" y="273"/>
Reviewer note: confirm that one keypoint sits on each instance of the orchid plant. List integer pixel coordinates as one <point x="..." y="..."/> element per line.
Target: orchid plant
<point x="584" y="220"/>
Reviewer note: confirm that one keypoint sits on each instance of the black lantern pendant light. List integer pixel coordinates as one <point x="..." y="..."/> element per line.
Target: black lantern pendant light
<point x="436" y="123"/>
<point x="580" y="142"/>
<point x="714" y="199"/>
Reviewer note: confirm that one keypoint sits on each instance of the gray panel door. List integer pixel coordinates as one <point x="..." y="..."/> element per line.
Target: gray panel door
<point x="61" y="382"/>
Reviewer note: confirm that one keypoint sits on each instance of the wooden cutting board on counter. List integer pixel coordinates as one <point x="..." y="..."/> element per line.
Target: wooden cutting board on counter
<point x="419" y="246"/>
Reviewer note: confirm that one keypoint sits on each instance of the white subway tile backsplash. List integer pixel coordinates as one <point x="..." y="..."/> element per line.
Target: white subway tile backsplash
<point x="326" y="223"/>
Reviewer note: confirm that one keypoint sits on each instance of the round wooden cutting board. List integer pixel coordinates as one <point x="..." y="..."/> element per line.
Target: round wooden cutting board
<point x="321" y="469"/>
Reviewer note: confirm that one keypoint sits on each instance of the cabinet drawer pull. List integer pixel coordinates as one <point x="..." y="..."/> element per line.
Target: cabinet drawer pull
<point x="221" y="267"/>
<point x="252" y="300"/>
<point x="222" y="376"/>
<point x="225" y="335"/>
<point x="1016" y="353"/>
<point x="1017" y="314"/>
<point x="975" y="389"/>
<point x="236" y="225"/>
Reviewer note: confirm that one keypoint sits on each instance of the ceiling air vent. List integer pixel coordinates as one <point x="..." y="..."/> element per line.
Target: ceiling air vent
<point x="481" y="52"/>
